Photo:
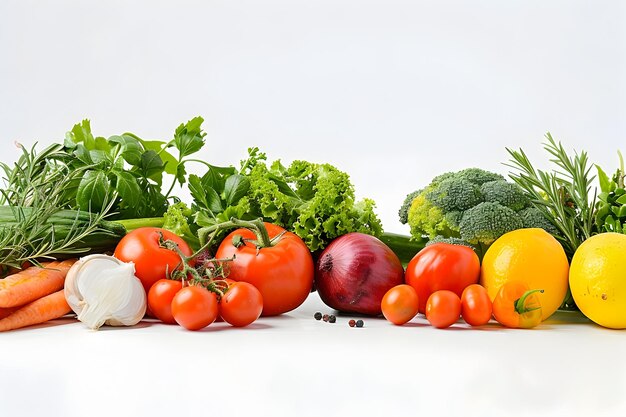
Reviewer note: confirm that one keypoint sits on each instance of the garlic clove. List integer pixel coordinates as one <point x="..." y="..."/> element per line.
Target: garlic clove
<point x="101" y="289"/>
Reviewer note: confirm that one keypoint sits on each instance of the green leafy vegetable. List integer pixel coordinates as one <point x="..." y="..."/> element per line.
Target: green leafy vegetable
<point x="610" y="213"/>
<point x="315" y="201"/>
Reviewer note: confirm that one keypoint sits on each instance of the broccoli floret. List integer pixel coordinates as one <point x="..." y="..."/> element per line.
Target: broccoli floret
<point x="455" y="194"/>
<point x="427" y="219"/>
<point x="505" y="193"/>
<point x="478" y="176"/>
<point x="473" y="205"/>
<point x="484" y="223"/>
<point x="403" y="213"/>
<point x="453" y="219"/>
<point x="450" y="240"/>
<point x="533" y="217"/>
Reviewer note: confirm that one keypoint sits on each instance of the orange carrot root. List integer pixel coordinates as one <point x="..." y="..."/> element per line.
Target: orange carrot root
<point x="33" y="283"/>
<point x="5" y="312"/>
<point x="39" y="311"/>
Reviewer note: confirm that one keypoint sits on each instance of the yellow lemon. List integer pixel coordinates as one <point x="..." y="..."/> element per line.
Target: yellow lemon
<point x="598" y="279"/>
<point x="532" y="256"/>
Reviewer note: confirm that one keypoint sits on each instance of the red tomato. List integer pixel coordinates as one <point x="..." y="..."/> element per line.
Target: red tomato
<point x="400" y="304"/>
<point x="160" y="299"/>
<point x="194" y="307"/>
<point x="141" y="246"/>
<point x="442" y="266"/>
<point x="283" y="273"/>
<point x="229" y="283"/>
<point x="241" y="305"/>
<point x="476" y="305"/>
<point x="443" y="308"/>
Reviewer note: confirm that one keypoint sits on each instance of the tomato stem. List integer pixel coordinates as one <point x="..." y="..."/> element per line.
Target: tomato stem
<point x="184" y="270"/>
<point x="256" y="226"/>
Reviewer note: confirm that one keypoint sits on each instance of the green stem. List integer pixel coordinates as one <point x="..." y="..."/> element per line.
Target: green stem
<point x="520" y="304"/>
<point x="132" y="224"/>
<point x="257" y="226"/>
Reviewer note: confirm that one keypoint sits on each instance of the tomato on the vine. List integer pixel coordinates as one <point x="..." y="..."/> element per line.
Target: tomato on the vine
<point x="241" y="305"/>
<point x="442" y="266"/>
<point x="194" y="307"/>
<point x="160" y="299"/>
<point x="476" y="305"/>
<point x="282" y="271"/>
<point x="400" y="304"/>
<point x="443" y="308"/>
<point x="141" y="246"/>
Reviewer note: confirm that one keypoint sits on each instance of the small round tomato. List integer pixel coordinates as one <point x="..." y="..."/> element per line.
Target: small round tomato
<point x="400" y="304"/>
<point x="443" y="308"/>
<point x="241" y="304"/>
<point x="442" y="266"/>
<point x="141" y="246"/>
<point x="476" y="305"/>
<point x="283" y="272"/>
<point x="160" y="299"/>
<point x="194" y="307"/>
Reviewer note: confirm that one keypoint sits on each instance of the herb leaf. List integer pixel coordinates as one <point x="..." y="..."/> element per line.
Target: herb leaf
<point x="189" y="137"/>
<point x="92" y="191"/>
<point x="236" y="186"/>
<point x="127" y="188"/>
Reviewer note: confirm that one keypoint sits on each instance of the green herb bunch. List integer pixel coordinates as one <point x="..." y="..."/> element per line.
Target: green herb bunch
<point x="611" y="206"/>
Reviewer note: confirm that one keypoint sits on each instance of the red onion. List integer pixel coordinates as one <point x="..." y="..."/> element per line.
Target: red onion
<point x="355" y="271"/>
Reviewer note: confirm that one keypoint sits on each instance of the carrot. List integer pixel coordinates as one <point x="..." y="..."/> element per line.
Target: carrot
<point x="33" y="283"/>
<point x="39" y="311"/>
<point x="4" y="312"/>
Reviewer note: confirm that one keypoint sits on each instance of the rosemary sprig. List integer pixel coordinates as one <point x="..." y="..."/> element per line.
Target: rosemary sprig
<point x="562" y="195"/>
<point x="38" y="187"/>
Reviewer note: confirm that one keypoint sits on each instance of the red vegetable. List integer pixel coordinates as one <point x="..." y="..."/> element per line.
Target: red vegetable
<point x="443" y="309"/>
<point x="476" y="305"/>
<point x="194" y="308"/>
<point x="400" y="304"/>
<point x="160" y="299"/>
<point x="442" y="266"/>
<point x="152" y="261"/>
<point x="241" y="305"/>
<point x="282" y="271"/>
<point x="355" y="271"/>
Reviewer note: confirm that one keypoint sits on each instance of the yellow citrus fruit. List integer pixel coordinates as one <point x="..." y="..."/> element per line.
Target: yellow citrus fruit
<point x="598" y="279"/>
<point x="532" y="256"/>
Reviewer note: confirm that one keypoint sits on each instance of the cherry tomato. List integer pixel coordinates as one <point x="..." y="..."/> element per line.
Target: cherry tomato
<point x="442" y="266"/>
<point x="517" y="306"/>
<point x="476" y="305"/>
<point x="283" y="273"/>
<point x="400" y="304"/>
<point x="443" y="308"/>
<point x="241" y="304"/>
<point x="194" y="307"/>
<point x="160" y="299"/>
<point x="141" y="246"/>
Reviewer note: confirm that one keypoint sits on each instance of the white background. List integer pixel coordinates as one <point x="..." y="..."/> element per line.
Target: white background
<point x="394" y="93"/>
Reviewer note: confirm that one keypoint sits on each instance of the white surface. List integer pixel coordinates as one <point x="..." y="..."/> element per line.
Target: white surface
<point x="393" y="92"/>
<point x="294" y="365"/>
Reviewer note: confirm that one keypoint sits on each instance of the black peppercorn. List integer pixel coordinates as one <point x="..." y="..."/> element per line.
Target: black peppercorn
<point x="332" y="318"/>
<point x="359" y="323"/>
<point x="317" y="316"/>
